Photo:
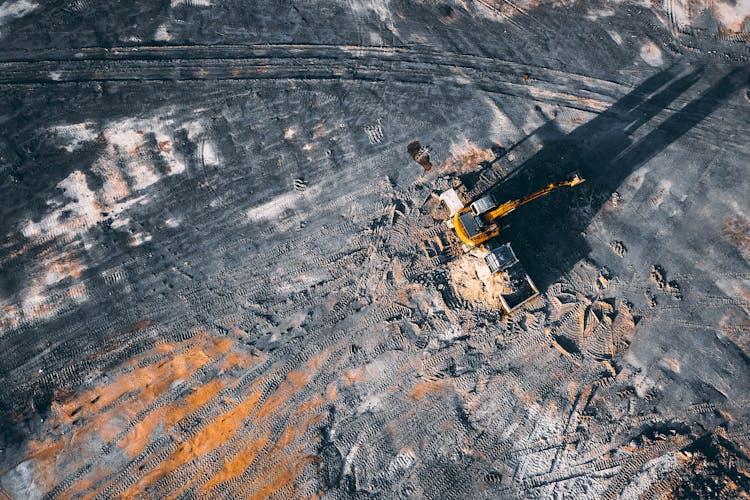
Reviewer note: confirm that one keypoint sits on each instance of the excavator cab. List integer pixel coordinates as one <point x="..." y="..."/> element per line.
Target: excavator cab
<point x="471" y="217"/>
<point x="472" y="227"/>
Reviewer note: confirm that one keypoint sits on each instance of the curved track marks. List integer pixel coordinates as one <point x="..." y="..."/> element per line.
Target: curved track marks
<point x="308" y="62"/>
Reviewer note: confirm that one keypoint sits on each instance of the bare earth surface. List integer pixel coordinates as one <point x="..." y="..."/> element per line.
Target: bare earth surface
<point x="222" y="274"/>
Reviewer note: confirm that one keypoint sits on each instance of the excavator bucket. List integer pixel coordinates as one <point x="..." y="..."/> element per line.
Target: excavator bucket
<point x="576" y="180"/>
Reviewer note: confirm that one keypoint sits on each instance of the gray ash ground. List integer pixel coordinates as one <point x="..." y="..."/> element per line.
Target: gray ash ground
<point x="225" y="270"/>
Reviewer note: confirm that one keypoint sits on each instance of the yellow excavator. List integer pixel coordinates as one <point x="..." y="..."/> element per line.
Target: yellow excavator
<point x="478" y="222"/>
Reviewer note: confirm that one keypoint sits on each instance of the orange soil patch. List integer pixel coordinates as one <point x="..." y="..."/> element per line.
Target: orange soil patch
<point x="254" y="444"/>
<point x="281" y="477"/>
<point x="131" y="392"/>
<point x="309" y="406"/>
<point x="86" y="485"/>
<point x="737" y="230"/>
<point x="287" y="460"/>
<point x="295" y="380"/>
<point x="331" y="392"/>
<point x="222" y="429"/>
<point x="237" y="465"/>
<point x="140" y="325"/>
<point x="210" y="437"/>
<point x="153" y="380"/>
<point x="236" y="359"/>
<point x="353" y="375"/>
<point x="138" y="438"/>
<point x="428" y="387"/>
<point x="466" y="157"/>
<point x="283" y="474"/>
<point x="84" y="411"/>
<point x="65" y="265"/>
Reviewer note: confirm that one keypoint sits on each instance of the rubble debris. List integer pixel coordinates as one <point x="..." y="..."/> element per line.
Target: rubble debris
<point x="619" y="248"/>
<point x="671" y="288"/>
<point x="420" y="154"/>
<point x="737" y="230"/>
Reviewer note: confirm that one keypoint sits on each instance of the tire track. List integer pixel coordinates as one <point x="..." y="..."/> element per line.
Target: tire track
<point x="239" y="392"/>
<point x="307" y="62"/>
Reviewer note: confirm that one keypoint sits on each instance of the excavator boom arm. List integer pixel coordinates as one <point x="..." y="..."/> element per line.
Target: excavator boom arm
<point x="509" y="206"/>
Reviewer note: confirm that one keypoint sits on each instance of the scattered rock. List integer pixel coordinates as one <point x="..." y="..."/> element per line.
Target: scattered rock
<point x="619" y="248"/>
<point x="421" y="154"/>
<point x="672" y="288"/>
<point x="615" y="199"/>
<point x="737" y="230"/>
<point x="299" y="185"/>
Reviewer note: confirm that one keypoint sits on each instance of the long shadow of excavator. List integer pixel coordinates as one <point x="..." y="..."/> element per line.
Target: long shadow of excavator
<point x="546" y="234"/>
